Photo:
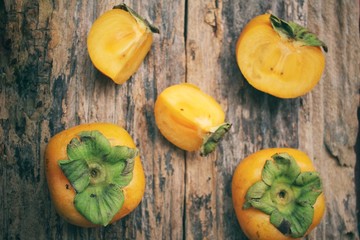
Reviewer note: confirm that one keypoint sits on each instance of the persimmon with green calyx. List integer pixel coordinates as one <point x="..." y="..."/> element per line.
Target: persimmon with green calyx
<point x="94" y="174"/>
<point x="277" y="194"/>
<point x="190" y="119"/>
<point x="280" y="58"/>
<point x="118" y="42"/>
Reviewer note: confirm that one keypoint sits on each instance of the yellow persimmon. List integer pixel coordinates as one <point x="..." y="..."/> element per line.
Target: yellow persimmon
<point x="277" y="194"/>
<point x="94" y="174"/>
<point x="280" y="58"/>
<point x="189" y="118"/>
<point x="118" y="42"/>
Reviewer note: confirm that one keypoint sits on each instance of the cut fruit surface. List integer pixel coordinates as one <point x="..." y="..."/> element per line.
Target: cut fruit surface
<point x="276" y="63"/>
<point x="118" y="42"/>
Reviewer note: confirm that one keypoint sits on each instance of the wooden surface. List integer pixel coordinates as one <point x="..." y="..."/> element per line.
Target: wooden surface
<point x="48" y="83"/>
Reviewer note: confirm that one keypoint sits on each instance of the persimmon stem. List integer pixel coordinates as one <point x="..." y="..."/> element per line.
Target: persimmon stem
<point x="124" y="7"/>
<point x="286" y="194"/>
<point x="296" y="32"/>
<point x="98" y="172"/>
<point x="213" y="138"/>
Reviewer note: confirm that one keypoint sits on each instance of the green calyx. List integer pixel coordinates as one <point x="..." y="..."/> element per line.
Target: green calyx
<point x="286" y="194"/>
<point x="124" y="7"/>
<point x="296" y="32"/>
<point x="98" y="172"/>
<point x="213" y="138"/>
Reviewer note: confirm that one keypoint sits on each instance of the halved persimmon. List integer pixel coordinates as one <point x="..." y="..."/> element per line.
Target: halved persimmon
<point x="280" y="58"/>
<point x="118" y="42"/>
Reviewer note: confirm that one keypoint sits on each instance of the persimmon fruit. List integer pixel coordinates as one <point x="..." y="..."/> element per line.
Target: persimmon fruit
<point x="94" y="174"/>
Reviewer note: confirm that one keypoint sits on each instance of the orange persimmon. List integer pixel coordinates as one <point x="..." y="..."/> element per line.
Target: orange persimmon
<point x="189" y="118"/>
<point x="280" y="58"/>
<point x="118" y="42"/>
<point x="94" y="174"/>
<point x="277" y="194"/>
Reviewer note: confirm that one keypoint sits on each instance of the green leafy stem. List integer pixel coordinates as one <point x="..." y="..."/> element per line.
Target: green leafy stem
<point x="124" y="7"/>
<point x="286" y="194"/>
<point x="212" y="139"/>
<point x="98" y="172"/>
<point x="296" y="32"/>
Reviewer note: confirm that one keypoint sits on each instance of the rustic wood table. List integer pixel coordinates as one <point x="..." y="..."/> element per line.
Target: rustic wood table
<point x="48" y="83"/>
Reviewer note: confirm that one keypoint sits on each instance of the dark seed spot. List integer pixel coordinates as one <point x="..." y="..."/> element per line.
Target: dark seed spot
<point x="181" y="109"/>
<point x="93" y="195"/>
<point x="271" y="69"/>
<point x="67" y="186"/>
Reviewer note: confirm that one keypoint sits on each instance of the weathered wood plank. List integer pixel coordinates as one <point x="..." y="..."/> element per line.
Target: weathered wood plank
<point x="55" y="86"/>
<point x="328" y="124"/>
<point x="263" y="121"/>
<point x="259" y="120"/>
<point x="163" y="203"/>
<point x="48" y="83"/>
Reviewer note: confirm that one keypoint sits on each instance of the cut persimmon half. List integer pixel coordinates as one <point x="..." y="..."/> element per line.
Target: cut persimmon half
<point x="118" y="42"/>
<point x="280" y="58"/>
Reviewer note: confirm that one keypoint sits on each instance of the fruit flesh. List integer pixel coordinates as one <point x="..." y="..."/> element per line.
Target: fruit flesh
<point x="276" y="65"/>
<point x="118" y="43"/>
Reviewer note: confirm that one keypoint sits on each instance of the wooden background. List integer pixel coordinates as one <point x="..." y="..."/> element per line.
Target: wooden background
<point x="48" y="83"/>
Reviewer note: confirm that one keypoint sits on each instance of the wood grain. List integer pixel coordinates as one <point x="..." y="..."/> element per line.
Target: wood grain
<point x="48" y="83"/>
